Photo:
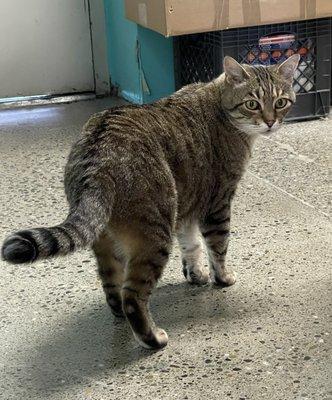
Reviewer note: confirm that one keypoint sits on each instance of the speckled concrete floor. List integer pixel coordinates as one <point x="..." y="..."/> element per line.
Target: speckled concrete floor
<point x="267" y="337"/>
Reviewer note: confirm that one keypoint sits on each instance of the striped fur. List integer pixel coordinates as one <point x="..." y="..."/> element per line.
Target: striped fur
<point x="139" y="175"/>
<point x="80" y="229"/>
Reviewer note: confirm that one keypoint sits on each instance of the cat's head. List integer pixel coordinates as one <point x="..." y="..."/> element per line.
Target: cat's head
<point x="257" y="98"/>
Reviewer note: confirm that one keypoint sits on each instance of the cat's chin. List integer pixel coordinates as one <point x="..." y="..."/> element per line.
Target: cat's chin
<point x="268" y="133"/>
<point x="254" y="130"/>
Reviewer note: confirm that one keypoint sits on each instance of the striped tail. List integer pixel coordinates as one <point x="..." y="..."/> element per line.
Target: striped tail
<point x="81" y="228"/>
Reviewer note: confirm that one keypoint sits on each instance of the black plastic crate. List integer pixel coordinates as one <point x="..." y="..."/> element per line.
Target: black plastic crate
<point x="198" y="57"/>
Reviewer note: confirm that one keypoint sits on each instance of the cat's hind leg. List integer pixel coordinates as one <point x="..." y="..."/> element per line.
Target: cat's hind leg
<point x="111" y="272"/>
<point x="149" y="250"/>
<point x="191" y="246"/>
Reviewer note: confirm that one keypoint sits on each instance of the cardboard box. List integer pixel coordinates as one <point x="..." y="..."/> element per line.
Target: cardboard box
<point x="178" y="17"/>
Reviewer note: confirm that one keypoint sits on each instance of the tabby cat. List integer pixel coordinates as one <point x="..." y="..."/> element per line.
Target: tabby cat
<point x="139" y="175"/>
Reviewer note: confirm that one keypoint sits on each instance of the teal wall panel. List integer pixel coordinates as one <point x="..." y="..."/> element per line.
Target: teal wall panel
<point x="157" y="63"/>
<point x="140" y="60"/>
<point x="122" y="55"/>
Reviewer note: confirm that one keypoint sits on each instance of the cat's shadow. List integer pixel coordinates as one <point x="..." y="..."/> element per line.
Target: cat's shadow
<point x="94" y="341"/>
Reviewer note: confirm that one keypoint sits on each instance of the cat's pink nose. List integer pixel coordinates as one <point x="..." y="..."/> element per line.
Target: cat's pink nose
<point x="270" y="123"/>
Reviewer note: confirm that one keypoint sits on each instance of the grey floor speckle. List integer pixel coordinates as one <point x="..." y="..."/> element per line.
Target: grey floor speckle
<point x="267" y="337"/>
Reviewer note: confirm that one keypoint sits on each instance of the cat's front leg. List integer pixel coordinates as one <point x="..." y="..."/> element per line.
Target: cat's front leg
<point x="215" y="230"/>
<point x="192" y="254"/>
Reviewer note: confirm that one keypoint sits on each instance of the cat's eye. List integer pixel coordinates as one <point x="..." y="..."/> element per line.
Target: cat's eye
<point x="252" y="105"/>
<point x="281" y="103"/>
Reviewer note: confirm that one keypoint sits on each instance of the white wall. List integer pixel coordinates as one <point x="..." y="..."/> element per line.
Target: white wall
<point x="45" y="47"/>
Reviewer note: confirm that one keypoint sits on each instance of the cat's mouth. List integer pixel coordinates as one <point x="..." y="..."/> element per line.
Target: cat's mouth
<point x="269" y="130"/>
<point x="258" y="129"/>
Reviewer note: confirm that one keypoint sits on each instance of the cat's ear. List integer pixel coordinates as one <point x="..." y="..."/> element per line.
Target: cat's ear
<point x="287" y="69"/>
<point x="234" y="71"/>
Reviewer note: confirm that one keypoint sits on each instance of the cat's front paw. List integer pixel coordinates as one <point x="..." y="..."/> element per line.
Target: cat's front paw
<point x="226" y="278"/>
<point x="196" y="276"/>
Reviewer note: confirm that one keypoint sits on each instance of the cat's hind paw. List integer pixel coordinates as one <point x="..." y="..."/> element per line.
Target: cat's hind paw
<point x="156" y="340"/>
<point x="115" y="306"/>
